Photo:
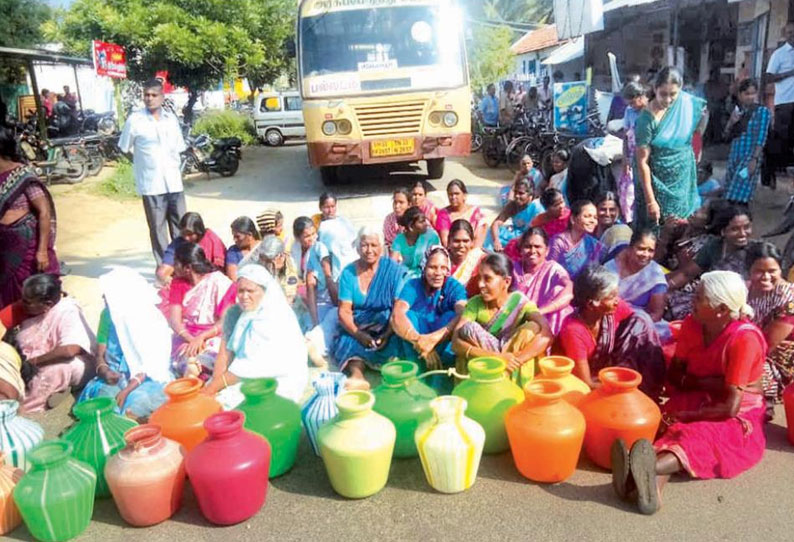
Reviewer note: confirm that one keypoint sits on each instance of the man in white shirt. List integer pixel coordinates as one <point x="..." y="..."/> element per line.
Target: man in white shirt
<point x="780" y="71"/>
<point x="155" y="139"/>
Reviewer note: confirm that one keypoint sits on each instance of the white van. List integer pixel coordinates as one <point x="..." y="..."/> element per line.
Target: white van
<point x="278" y="116"/>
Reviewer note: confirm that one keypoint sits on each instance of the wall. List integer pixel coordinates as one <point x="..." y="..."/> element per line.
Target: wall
<point x="96" y="92"/>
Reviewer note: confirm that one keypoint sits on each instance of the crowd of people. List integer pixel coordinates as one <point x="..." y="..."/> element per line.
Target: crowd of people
<point x="667" y="280"/>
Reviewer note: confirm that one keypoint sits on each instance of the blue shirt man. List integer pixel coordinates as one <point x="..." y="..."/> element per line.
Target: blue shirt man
<point x="489" y="107"/>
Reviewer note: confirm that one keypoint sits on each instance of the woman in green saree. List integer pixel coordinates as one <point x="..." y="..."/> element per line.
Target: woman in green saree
<point x="665" y="169"/>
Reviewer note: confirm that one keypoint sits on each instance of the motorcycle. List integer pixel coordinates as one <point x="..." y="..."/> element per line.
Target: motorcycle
<point x="203" y="154"/>
<point x="55" y="161"/>
<point x="100" y="123"/>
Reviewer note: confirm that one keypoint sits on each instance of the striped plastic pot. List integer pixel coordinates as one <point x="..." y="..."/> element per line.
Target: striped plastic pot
<point x="18" y="435"/>
<point x="321" y="406"/>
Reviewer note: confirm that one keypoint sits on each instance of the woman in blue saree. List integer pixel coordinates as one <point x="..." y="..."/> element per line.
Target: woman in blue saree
<point x="577" y="247"/>
<point x="665" y="168"/>
<point x="521" y="210"/>
<point x="367" y="290"/>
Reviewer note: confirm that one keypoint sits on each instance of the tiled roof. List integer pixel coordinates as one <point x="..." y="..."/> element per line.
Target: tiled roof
<point x="535" y="40"/>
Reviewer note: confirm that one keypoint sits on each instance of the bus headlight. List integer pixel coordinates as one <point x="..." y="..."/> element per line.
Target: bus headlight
<point x="450" y="119"/>
<point x="329" y="128"/>
<point x="435" y="117"/>
<point x="344" y="126"/>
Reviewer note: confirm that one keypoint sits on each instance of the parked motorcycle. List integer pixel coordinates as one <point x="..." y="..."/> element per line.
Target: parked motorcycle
<point x="55" y="161"/>
<point x="100" y="123"/>
<point x="203" y="154"/>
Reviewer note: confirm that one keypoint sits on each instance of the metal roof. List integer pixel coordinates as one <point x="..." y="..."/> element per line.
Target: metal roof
<point x="43" y="56"/>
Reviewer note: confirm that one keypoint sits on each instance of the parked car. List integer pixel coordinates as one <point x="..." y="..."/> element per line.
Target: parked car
<point x="278" y="116"/>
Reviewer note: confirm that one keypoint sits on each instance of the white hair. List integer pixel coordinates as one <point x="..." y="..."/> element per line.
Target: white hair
<point x="369" y="231"/>
<point x="727" y="288"/>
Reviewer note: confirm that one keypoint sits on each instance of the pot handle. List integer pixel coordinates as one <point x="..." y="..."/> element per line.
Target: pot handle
<point x="449" y="372"/>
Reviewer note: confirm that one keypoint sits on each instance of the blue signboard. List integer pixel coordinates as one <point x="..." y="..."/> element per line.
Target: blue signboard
<point x="570" y="107"/>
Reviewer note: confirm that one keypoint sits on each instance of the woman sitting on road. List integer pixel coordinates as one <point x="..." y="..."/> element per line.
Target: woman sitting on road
<point x="526" y="172"/>
<point x="500" y="323"/>
<point x="409" y="247"/>
<point x="715" y="416"/>
<point x="304" y="238"/>
<point x="367" y="290"/>
<point x="400" y="201"/>
<point x="458" y="209"/>
<point x="465" y="257"/>
<point x="133" y="346"/>
<point x="427" y="310"/>
<point x="559" y="179"/>
<point x="279" y="264"/>
<point x="520" y="211"/>
<point x="543" y="281"/>
<point x="261" y="339"/>
<point x="576" y="247"/>
<point x="419" y="199"/>
<point x="198" y="298"/>
<point x="336" y="241"/>
<point x="192" y="230"/>
<point x="604" y="332"/>
<point x="271" y="222"/>
<point x="555" y="218"/>
<point x="246" y="239"/>
<point x="55" y="339"/>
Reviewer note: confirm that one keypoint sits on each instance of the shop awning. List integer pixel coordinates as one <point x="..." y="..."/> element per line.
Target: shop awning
<point x="565" y="53"/>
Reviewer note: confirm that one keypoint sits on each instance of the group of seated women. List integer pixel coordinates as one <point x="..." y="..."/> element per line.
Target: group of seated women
<point x="439" y="287"/>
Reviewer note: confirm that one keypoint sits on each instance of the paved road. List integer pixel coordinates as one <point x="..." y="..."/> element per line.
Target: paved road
<point x="501" y="505"/>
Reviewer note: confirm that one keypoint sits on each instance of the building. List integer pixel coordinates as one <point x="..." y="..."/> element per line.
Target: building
<point x="539" y="53"/>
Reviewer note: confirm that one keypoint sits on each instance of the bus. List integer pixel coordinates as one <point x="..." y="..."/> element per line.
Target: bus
<point x="383" y="82"/>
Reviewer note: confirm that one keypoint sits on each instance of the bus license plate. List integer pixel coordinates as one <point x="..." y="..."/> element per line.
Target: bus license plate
<point x="391" y="147"/>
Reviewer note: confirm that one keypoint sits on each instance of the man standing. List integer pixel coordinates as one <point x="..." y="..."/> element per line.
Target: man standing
<point x="781" y="72"/>
<point x="155" y="140"/>
<point x="506" y="105"/>
<point x="544" y="94"/>
<point x="489" y="107"/>
<point x="69" y="97"/>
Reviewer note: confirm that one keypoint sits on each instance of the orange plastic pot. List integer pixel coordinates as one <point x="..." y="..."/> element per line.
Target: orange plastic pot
<point x="617" y="410"/>
<point x="788" y="404"/>
<point x="182" y="417"/>
<point x="9" y="513"/>
<point x="545" y="432"/>
<point x="559" y="369"/>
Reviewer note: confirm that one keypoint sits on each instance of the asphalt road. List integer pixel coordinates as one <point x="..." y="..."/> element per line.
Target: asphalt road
<point x="502" y="505"/>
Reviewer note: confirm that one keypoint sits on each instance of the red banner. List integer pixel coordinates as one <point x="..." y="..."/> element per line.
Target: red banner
<point x="109" y="59"/>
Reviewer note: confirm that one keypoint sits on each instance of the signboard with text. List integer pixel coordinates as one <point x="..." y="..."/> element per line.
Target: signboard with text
<point x="109" y="59"/>
<point x="570" y="107"/>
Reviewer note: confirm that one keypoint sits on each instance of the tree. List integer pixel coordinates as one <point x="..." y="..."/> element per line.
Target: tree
<point x="22" y="20"/>
<point x="490" y="57"/>
<point x="198" y="42"/>
<point x="512" y="11"/>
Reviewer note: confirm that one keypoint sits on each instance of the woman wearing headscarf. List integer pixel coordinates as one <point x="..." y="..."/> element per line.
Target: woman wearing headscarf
<point x="12" y="386"/>
<point x="261" y="339"/>
<point x="714" y="418"/>
<point x="133" y="346"/>
<point x="279" y="264"/>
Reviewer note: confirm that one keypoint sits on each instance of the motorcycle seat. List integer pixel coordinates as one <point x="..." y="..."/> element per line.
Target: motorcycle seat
<point x="228" y="142"/>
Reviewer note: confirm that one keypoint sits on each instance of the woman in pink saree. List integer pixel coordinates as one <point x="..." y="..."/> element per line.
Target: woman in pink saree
<point x="198" y="298"/>
<point x="55" y="339"/>
<point x="545" y="282"/>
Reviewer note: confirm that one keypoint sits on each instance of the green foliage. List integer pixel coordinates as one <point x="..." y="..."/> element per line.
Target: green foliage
<point x="490" y="58"/>
<point x="226" y="124"/>
<point x="120" y="185"/>
<point x="513" y="11"/>
<point x="22" y="20"/>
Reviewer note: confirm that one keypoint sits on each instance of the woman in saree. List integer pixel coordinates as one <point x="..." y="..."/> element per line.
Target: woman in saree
<point x="526" y="172"/>
<point x="498" y="322"/>
<point x="559" y="177"/>
<point x="608" y="212"/>
<point x="520" y="211"/>
<point x="772" y="300"/>
<point x="133" y="346"/>
<point x="427" y="311"/>
<point x="367" y="290"/>
<point x="336" y="241"/>
<point x="555" y="218"/>
<point x="748" y="128"/>
<point x="458" y="209"/>
<point x="261" y="339"/>
<point x="714" y="419"/>
<point x="27" y="223"/>
<point x="304" y="238"/>
<point x="665" y="173"/>
<point x="197" y="300"/>
<point x="543" y="281"/>
<point x="192" y="231"/>
<point x="576" y="247"/>
<point x="246" y="239"/>
<point x="400" y="201"/>
<point x="419" y="199"/>
<point x="409" y="246"/>
<point x="56" y="340"/>
<point x="464" y="257"/>
<point x="725" y="249"/>
<point x="604" y="331"/>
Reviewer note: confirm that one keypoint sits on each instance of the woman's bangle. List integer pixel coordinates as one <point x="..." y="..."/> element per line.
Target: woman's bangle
<point x="101" y="364"/>
<point x="468" y="350"/>
<point x="136" y="379"/>
<point x="223" y="379"/>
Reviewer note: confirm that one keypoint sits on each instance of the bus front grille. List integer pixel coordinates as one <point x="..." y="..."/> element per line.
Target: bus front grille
<point x="390" y="119"/>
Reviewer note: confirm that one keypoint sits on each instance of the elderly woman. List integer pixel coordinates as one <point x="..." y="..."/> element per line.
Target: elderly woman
<point x="246" y="239"/>
<point x="198" y="297"/>
<point x="192" y="231"/>
<point x="400" y="201"/>
<point x="409" y="246"/>
<point x="279" y="264"/>
<point x="543" y="281"/>
<point x="56" y="339"/>
<point x="498" y="322"/>
<point x="133" y="346"/>
<point x="464" y="257"/>
<point x="458" y="209"/>
<point x="604" y="332"/>
<point x="715" y="414"/>
<point x="427" y="310"/>
<point x="576" y="247"/>
<point x="367" y="290"/>
<point x="261" y="339"/>
<point x="27" y="223"/>
<point x="520" y="211"/>
<point x="772" y="300"/>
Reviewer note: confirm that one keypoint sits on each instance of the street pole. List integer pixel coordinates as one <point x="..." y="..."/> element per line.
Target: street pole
<point x="42" y="120"/>
<point x="77" y="85"/>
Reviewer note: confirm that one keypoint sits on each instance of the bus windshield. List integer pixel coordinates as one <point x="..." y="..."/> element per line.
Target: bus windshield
<point x="379" y="49"/>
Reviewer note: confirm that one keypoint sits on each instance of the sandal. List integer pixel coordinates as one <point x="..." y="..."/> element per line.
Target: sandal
<point x="643" y="470"/>
<point x="621" y="469"/>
